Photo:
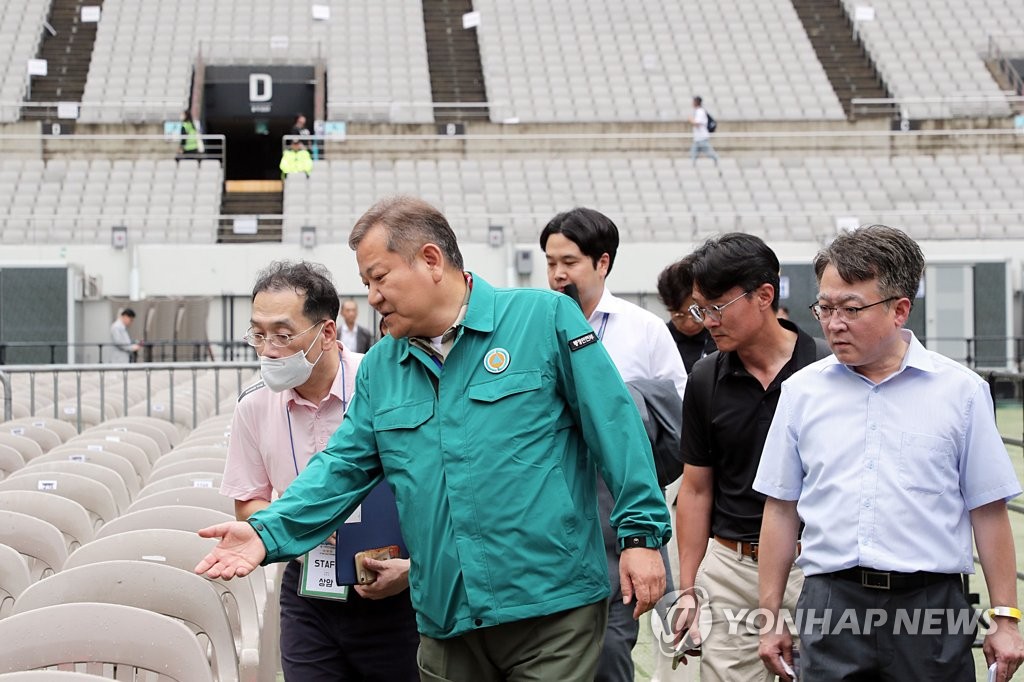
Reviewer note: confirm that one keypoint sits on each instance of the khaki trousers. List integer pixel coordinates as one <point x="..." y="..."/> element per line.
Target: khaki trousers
<point x="729" y="653"/>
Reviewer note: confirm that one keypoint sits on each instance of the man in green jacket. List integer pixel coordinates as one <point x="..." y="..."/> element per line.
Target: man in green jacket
<point x="489" y="412"/>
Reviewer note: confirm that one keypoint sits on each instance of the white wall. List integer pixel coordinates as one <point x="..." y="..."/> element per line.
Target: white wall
<point x="230" y="270"/>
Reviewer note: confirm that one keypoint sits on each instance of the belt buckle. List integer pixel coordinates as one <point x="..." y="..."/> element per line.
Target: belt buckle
<point x="875" y="580"/>
<point x="753" y="551"/>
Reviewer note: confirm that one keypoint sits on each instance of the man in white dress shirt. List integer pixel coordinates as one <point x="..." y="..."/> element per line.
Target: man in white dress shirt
<point x="889" y="455"/>
<point x="580" y="246"/>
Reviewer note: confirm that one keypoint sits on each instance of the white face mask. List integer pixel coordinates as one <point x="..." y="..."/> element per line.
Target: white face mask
<point x="280" y="374"/>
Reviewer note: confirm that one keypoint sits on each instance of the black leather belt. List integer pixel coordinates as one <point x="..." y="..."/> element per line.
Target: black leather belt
<point x="891" y="580"/>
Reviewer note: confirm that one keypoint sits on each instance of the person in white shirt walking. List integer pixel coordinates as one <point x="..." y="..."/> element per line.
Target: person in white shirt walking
<point x="701" y="134"/>
<point x="580" y="246"/>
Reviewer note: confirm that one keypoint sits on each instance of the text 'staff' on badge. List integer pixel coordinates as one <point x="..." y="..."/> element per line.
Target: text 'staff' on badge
<point x="496" y="360"/>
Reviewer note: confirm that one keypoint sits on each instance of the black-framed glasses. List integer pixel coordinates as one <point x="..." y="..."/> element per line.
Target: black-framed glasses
<point x="276" y="340"/>
<point x="713" y="312"/>
<point x="823" y="313"/>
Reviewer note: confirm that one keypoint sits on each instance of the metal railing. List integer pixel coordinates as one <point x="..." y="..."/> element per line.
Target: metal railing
<point x="108" y="146"/>
<point x="1004" y="387"/>
<point x="114" y="379"/>
<point x="56" y="352"/>
<point x="945" y="107"/>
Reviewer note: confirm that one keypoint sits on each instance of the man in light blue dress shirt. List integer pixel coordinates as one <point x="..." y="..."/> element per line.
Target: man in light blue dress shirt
<point x="889" y="455"/>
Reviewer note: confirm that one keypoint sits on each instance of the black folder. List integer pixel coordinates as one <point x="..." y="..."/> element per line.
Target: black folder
<point x="378" y="528"/>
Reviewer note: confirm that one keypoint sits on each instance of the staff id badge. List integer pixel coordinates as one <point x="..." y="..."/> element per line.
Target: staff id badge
<point x="318" y="575"/>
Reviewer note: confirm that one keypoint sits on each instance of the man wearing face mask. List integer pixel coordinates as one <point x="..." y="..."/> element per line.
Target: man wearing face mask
<point x="280" y="422"/>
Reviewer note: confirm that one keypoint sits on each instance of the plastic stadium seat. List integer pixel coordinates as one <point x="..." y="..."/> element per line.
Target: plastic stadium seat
<point x="154" y="587"/>
<point x="208" y="498"/>
<point x="69" y="517"/>
<point x="40" y="542"/>
<point x="14" y="578"/>
<point x="91" y="494"/>
<point x="185" y="480"/>
<point x="175" y="517"/>
<point x="99" y="634"/>
<point x="10" y="461"/>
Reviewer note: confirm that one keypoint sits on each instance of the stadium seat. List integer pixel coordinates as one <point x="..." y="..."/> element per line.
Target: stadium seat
<point x="102" y="634"/>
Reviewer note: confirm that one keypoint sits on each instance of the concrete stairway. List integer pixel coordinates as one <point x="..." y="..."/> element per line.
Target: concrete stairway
<point x="846" y="63"/>
<point x="251" y="198"/>
<point x="453" y="54"/>
<point x="68" y="53"/>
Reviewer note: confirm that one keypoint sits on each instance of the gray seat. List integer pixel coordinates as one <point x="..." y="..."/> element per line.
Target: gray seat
<point x="154" y="587"/>
<point x="102" y="634"/>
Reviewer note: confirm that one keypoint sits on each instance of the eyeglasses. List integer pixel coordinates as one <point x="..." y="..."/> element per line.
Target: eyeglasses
<point x="276" y="340"/>
<point x="713" y="312"/>
<point x="846" y="313"/>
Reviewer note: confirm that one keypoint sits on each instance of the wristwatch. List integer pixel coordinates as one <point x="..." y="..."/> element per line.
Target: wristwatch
<point x="634" y="541"/>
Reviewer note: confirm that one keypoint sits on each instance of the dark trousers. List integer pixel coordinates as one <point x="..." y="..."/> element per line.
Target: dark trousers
<point x="361" y="639"/>
<point x="563" y="646"/>
<point x="879" y="638"/>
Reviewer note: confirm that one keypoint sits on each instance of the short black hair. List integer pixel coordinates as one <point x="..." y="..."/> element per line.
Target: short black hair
<point x="735" y="259"/>
<point x="129" y="312"/>
<point x="311" y="280"/>
<point x="592" y="231"/>
<point x="675" y="282"/>
<point x="698" y="99"/>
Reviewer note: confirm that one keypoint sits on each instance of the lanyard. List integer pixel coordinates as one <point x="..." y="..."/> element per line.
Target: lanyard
<point x="604" y="323"/>
<point x="288" y="413"/>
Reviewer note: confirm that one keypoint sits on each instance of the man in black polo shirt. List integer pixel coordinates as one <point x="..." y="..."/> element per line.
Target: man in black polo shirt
<point x="729" y="404"/>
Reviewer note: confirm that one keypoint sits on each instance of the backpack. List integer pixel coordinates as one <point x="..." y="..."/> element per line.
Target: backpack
<point x="712" y="123"/>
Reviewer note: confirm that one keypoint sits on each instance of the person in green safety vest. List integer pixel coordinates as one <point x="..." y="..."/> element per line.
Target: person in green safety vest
<point x="296" y="159"/>
<point x="191" y="145"/>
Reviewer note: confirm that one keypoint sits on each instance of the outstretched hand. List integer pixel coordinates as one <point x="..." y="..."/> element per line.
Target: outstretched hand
<point x="238" y="553"/>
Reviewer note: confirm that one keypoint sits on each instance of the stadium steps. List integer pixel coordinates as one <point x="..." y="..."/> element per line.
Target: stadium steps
<point x="453" y="55"/>
<point x="251" y="197"/>
<point x="68" y="54"/>
<point x="846" y="63"/>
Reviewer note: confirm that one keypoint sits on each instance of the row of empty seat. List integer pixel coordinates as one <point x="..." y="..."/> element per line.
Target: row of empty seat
<point x="374" y="52"/>
<point x="938" y="48"/>
<point x="570" y="61"/>
<point x="103" y="523"/>
<point x="78" y="201"/>
<point x="670" y="199"/>
<point x="21" y="30"/>
<point x="601" y="60"/>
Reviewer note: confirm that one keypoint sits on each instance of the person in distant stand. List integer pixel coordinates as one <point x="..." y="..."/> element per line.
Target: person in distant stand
<point x="353" y="336"/>
<point x="123" y="348"/>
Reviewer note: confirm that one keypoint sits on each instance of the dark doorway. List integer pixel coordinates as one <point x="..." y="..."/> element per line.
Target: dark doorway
<point x="253" y="146"/>
<point x="253" y="106"/>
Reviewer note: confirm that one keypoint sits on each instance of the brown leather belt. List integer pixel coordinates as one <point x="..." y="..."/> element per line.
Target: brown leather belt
<point x="747" y="549"/>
